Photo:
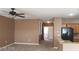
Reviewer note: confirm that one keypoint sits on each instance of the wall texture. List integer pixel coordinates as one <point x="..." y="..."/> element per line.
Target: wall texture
<point x="27" y="31"/>
<point x="57" y="31"/>
<point x="6" y="31"/>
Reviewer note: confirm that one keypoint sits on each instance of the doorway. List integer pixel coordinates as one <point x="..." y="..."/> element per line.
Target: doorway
<point x="47" y="33"/>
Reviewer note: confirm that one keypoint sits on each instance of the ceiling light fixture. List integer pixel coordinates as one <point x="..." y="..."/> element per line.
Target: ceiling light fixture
<point x="71" y="14"/>
<point x="48" y="21"/>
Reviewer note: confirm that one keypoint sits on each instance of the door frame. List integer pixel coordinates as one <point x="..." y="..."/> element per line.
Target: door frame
<point x="47" y="24"/>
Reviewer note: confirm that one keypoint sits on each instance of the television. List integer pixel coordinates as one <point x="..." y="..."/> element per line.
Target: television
<point x="67" y="33"/>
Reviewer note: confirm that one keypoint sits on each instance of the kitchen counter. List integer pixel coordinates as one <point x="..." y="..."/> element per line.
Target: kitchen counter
<point x="69" y="45"/>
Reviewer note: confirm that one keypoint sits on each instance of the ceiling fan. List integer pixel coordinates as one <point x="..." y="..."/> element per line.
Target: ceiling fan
<point x="13" y="12"/>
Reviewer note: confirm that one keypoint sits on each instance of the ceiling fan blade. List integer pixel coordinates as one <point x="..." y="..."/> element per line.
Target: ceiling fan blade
<point x="22" y="16"/>
<point x="19" y="13"/>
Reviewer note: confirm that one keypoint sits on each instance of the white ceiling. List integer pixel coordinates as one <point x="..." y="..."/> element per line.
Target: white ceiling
<point x="42" y="13"/>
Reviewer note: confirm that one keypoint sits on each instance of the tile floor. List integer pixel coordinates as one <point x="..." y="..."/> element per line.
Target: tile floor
<point x="44" y="46"/>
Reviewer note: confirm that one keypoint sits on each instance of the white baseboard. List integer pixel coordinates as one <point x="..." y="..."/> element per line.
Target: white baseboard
<point x="6" y="46"/>
<point x="27" y="43"/>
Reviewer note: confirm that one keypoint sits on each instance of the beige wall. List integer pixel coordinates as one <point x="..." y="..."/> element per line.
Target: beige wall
<point x="57" y="31"/>
<point x="6" y="31"/>
<point x="27" y="31"/>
